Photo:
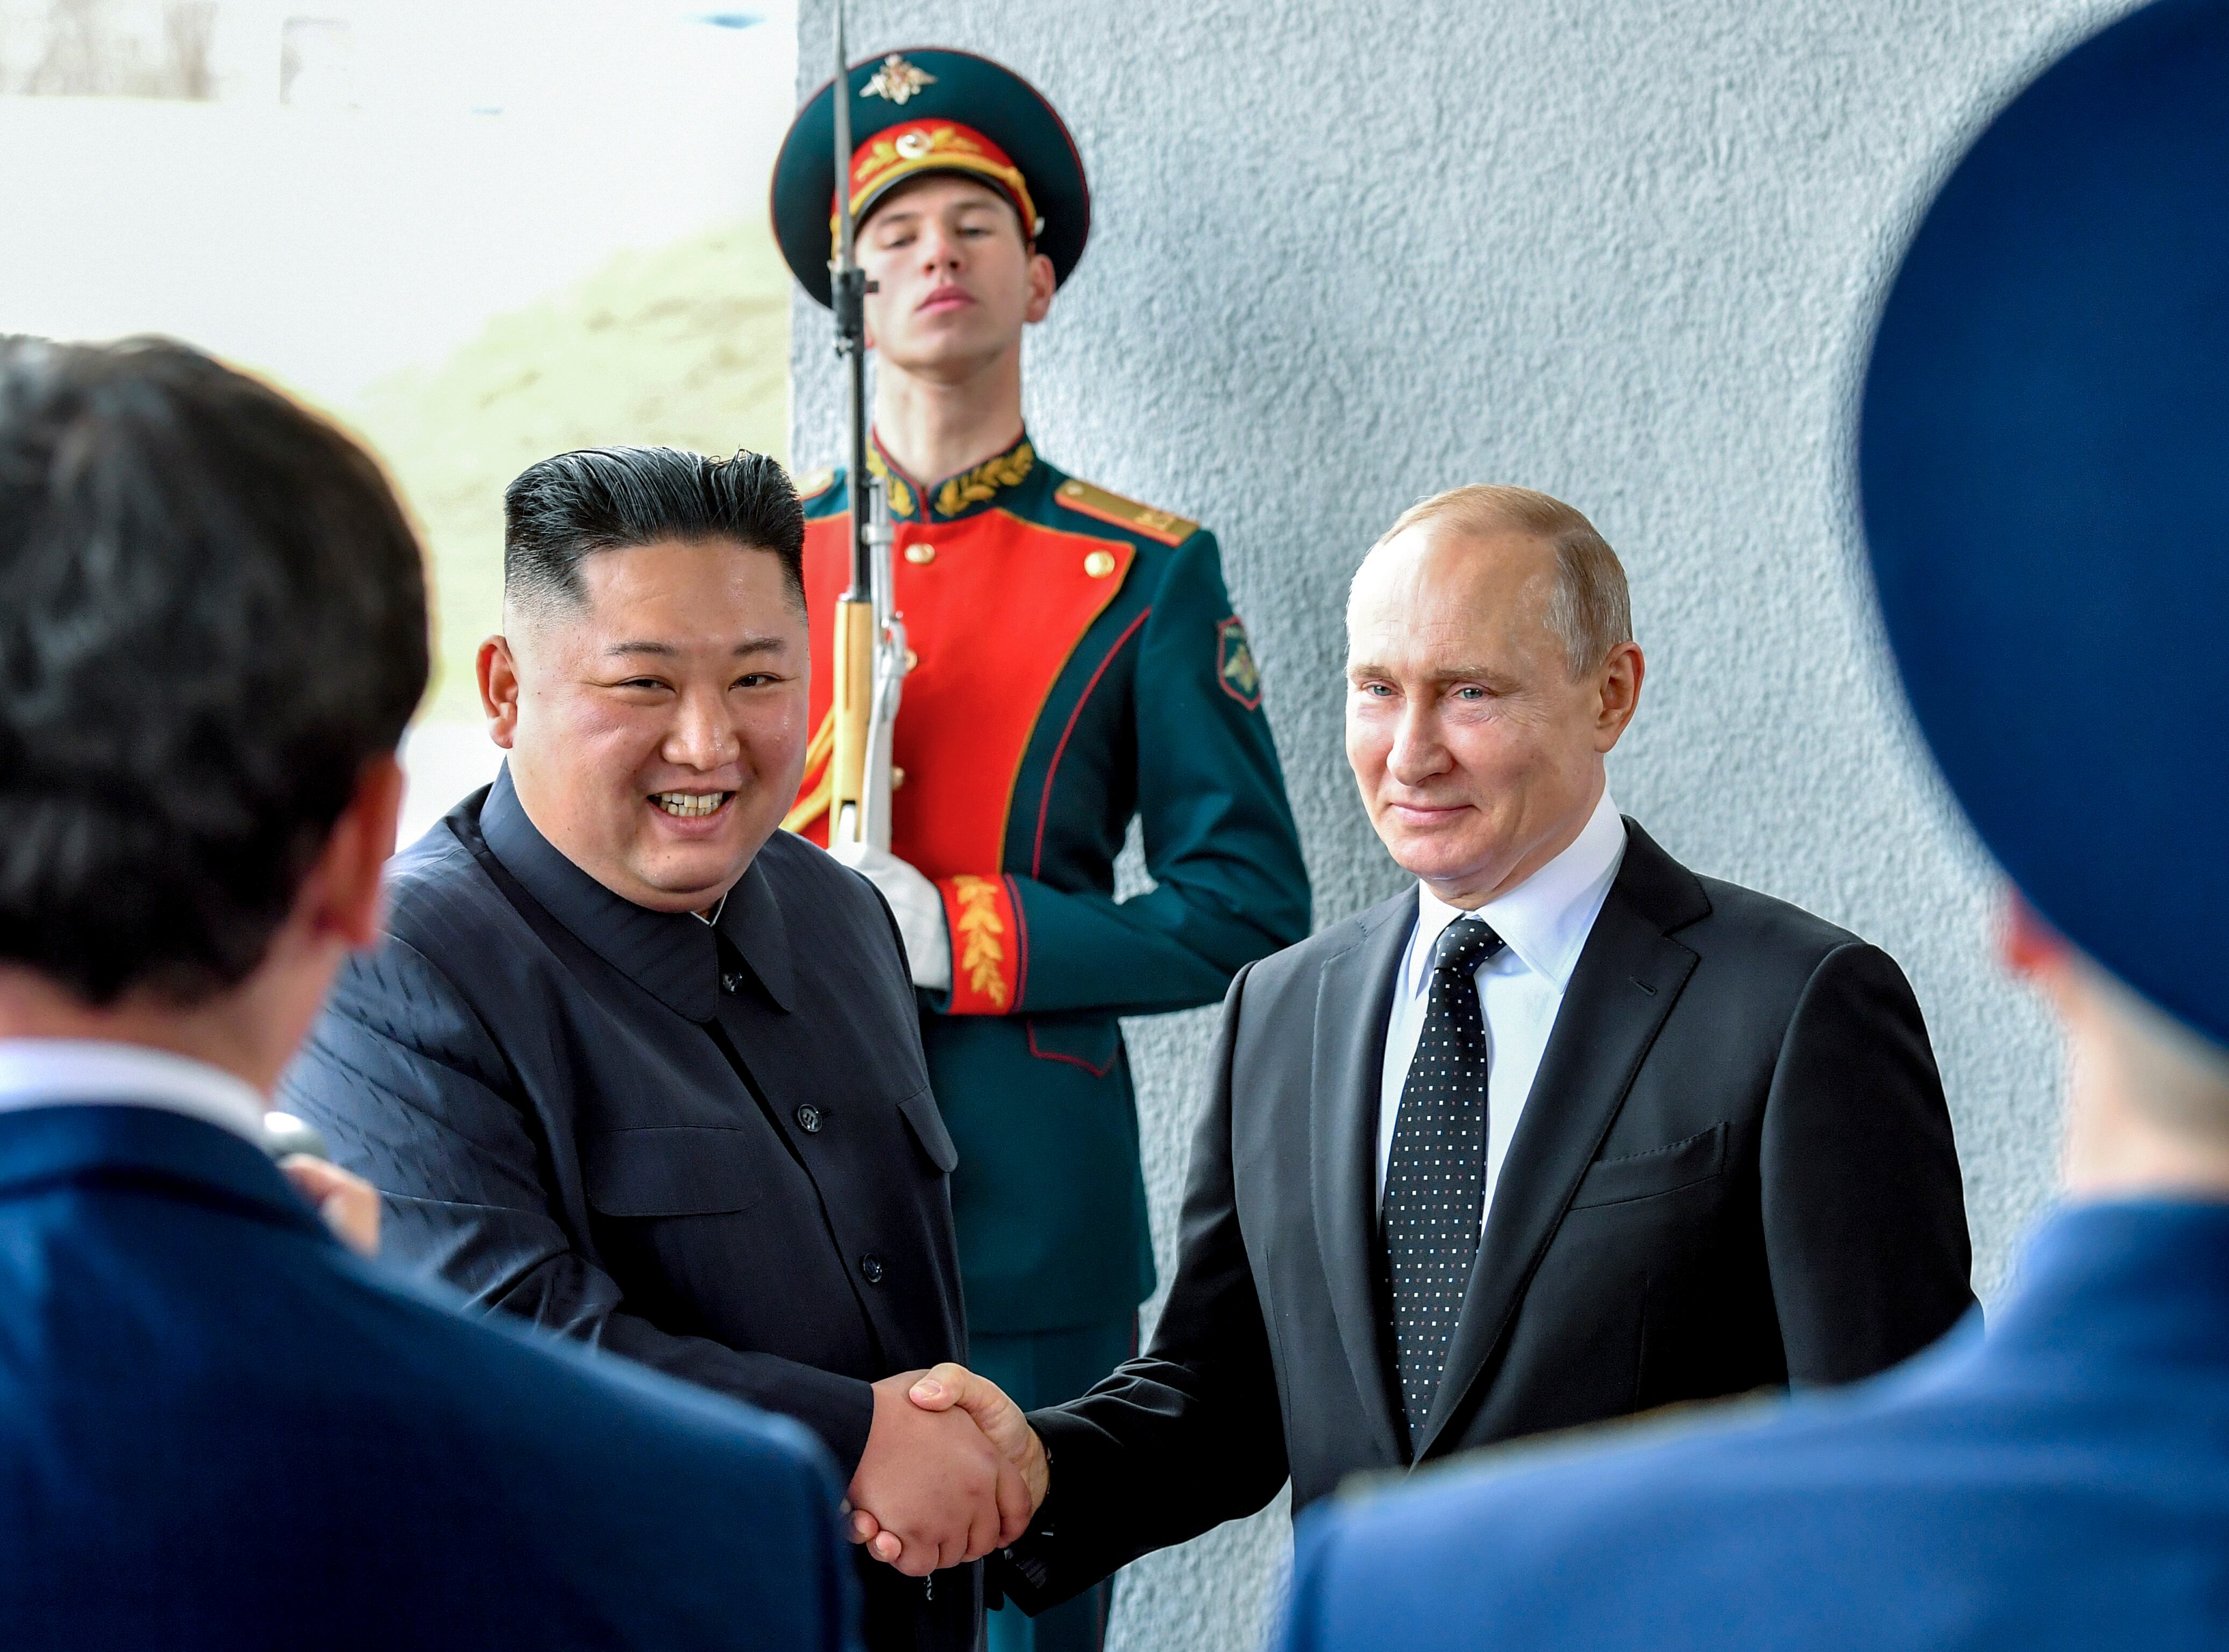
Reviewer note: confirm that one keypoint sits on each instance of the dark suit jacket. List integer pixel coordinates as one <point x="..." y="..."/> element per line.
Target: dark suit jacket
<point x="219" y="1430"/>
<point x="1735" y="1170"/>
<point x="2059" y="1483"/>
<point x="714" y="1154"/>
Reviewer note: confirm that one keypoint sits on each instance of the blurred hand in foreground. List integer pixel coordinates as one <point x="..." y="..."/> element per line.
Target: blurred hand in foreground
<point x="347" y="1203"/>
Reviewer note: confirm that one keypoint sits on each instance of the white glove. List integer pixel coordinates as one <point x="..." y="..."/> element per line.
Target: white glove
<point x="917" y="907"/>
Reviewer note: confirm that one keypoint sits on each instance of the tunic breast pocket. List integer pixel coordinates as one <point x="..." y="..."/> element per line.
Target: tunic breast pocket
<point x="1684" y="1163"/>
<point x="671" y="1170"/>
<point x="919" y="1110"/>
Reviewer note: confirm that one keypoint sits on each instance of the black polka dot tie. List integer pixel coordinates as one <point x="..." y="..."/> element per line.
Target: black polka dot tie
<point x="1436" y="1179"/>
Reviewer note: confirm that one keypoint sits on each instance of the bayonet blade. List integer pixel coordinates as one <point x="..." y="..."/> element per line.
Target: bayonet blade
<point x="843" y="95"/>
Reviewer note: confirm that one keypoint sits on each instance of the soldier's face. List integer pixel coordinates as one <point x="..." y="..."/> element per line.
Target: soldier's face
<point x="656" y="730"/>
<point x="1478" y="754"/>
<point x="955" y="283"/>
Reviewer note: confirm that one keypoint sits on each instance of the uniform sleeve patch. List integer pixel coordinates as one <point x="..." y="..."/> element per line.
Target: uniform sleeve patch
<point x="1234" y="663"/>
<point x="1102" y="506"/>
<point x="985" y="955"/>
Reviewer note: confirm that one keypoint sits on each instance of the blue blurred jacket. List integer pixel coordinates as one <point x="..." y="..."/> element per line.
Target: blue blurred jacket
<point x="218" y="1429"/>
<point x="2060" y="1480"/>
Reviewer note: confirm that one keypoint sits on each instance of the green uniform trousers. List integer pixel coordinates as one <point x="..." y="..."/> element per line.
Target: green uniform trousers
<point x="1044" y="1369"/>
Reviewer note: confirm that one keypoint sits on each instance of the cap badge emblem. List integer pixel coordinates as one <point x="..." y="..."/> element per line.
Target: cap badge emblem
<point x="896" y="79"/>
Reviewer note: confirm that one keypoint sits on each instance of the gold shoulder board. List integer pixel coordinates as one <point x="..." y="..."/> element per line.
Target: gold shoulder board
<point x="1106" y="507"/>
<point x="813" y="484"/>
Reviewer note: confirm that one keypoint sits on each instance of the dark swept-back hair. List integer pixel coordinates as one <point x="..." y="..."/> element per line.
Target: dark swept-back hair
<point x="212" y="616"/>
<point x="608" y="498"/>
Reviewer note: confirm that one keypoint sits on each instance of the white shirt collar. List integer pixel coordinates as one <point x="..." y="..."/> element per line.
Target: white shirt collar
<point x="1546" y="918"/>
<point x="45" y="1071"/>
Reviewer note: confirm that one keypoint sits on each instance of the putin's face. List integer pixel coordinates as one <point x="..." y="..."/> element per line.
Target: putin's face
<point x="656" y="727"/>
<point x="1478" y="752"/>
<point x="954" y="282"/>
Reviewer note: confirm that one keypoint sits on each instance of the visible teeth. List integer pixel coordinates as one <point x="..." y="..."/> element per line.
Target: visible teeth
<point x="690" y="804"/>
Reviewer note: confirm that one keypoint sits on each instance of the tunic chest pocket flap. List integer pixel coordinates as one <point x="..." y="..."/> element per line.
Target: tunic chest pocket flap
<point x="671" y="1170"/>
<point x="919" y="1110"/>
<point x="1659" y="1170"/>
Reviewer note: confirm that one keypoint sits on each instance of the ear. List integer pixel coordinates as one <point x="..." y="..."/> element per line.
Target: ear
<point x="497" y="671"/>
<point x="2029" y="946"/>
<point x="1619" y="683"/>
<point x="1041" y="289"/>
<point x="342" y="893"/>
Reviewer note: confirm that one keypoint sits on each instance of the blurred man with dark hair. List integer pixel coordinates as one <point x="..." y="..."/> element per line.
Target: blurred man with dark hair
<point x="217" y="1427"/>
<point x="635" y="1066"/>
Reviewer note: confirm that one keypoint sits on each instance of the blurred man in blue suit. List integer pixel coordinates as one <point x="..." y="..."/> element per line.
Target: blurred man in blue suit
<point x="2043" y="455"/>
<point x="218" y="1427"/>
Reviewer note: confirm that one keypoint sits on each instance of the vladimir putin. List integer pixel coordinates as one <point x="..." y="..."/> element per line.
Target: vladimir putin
<point x="1563" y="1132"/>
<point x="2041" y="453"/>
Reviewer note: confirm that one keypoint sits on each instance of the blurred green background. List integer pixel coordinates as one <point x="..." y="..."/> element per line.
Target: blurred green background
<point x="686" y="345"/>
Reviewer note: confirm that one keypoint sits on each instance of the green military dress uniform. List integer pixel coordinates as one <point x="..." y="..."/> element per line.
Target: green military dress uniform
<point x="1077" y="664"/>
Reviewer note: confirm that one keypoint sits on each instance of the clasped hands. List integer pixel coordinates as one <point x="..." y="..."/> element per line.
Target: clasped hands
<point x="952" y="1471"/>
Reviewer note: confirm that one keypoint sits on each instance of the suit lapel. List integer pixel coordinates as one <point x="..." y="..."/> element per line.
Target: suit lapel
<point x="1628" y="975"/>
<point x="1353" y="994"/>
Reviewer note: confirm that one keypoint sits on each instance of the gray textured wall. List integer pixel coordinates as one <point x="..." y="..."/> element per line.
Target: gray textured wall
<point x="1345" y="255"/>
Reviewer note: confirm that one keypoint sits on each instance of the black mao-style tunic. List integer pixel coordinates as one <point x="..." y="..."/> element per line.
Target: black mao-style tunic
<point x="710" y="1148"/>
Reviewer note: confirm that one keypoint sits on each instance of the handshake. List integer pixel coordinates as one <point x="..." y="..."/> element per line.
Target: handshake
<point x="952" y="1471"/>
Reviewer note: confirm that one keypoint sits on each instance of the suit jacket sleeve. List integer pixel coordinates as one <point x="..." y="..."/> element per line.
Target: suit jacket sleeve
<point x="1229" y="883"/>
<point x="1190" y="1435"/>
<point x="410" y="1091"/>
<point x="1865" y="1216"/>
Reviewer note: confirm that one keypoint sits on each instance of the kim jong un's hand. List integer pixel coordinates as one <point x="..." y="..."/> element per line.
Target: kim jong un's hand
<point x="932" y="1491"/>
<point x="952" y="1387"/>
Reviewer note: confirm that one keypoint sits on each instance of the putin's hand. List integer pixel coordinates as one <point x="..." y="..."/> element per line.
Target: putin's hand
<point x="930" y="1490"/>
<point x="951" y="1388"/>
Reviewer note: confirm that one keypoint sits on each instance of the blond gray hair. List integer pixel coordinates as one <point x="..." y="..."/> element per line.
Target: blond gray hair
<point x="1590" y="610"/>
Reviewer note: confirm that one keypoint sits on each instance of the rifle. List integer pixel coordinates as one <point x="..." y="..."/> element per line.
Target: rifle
<point x="870" y="660"/>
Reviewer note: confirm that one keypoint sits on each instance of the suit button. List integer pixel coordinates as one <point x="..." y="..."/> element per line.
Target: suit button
<point x="871" y="1269"/>
<point x="732" y="981"/>
<point x="808" y="1120"/>
<point x="1099" y="565"/>
<point x="920" y="555"/>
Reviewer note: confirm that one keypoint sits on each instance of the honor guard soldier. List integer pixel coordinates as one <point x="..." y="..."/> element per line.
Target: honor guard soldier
<point x="1074" y="660"/>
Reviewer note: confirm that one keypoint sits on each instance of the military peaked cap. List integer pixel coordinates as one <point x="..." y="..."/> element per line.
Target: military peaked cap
<point x="927" y="109"/>
<point x="2045" y="469"/>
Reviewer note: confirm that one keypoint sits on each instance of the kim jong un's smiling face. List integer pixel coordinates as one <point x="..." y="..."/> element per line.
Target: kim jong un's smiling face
<point x="657" y="726"/>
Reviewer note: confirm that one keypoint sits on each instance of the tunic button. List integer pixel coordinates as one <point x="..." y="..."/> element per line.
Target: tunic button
<point x="1099" y="564"/>
<point x="870" y="1268"/>
<point x="920" y="555"/>
<point x="808" y="1120"/>
<point x="732" y="981"/>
